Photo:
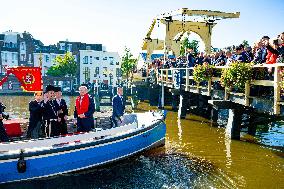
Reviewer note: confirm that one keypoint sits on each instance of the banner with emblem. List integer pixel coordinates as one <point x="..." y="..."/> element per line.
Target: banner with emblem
<point x="29" y="77"/>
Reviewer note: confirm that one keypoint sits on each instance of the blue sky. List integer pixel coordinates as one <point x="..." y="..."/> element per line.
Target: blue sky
<point x="120" y="23"/>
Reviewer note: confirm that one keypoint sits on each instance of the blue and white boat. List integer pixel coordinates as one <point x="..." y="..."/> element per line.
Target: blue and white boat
<point x="32" y="159"/>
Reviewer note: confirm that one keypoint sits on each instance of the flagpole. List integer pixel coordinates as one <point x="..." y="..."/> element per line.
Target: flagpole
<point x="40" y="65"/>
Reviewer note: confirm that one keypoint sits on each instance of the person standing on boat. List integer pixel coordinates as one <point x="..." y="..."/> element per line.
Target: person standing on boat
<point x="118" y="107"/>
<point x="35" y="121"/>
<point x="50" y="112"/>
<point x="62" y="112"/>
<point x="84" y="110"/>
<point x="3" y="135"/>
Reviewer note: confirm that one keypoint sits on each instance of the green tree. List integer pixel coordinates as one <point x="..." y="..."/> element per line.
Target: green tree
<point x="128" y="63"/>
<point x="54" y="71"/>
<point x="65" y="66"/>
<point x="186" y="44"/>
<point x="245" y="43"/>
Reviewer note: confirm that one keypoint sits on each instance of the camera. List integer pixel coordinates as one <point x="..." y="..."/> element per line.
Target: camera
<point x="4" y="114"/>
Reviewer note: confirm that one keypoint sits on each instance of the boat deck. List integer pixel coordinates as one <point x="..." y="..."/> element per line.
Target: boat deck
<point x="130" y="123"/>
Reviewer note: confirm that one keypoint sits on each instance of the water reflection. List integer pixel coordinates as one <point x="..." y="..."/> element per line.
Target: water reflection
<point x="227" y="141"/>
<point x="157" y="169"/>
<point x="196" y="155"/>
<point x="179" y="129"/>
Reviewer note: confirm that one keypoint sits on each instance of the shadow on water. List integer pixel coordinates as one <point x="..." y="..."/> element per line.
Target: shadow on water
<point x="154" y="169"/>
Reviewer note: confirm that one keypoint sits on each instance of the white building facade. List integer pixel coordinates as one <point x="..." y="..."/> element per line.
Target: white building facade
<point x="9" y="52"/>
<point x="100" y="67"/>
<point x="9" y="58"/>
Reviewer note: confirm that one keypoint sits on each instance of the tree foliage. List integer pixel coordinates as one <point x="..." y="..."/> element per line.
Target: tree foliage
<point x="128" y="63"/>
<point x="65" y="66"/>
<point x="186" y="44"/>
<point x="245" y="43"/>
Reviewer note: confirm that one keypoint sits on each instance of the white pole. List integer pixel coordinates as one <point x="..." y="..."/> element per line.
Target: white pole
<point x="163" y="96"/>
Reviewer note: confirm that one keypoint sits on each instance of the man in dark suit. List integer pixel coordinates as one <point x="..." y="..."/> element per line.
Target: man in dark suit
<point x="118" y="107"/>
<point x="35" y="121"/>
<point x="84" y="110"/>
<point x="62" y="112"/>
<point x="3" y="135"/>
<point x="50" y="112"/>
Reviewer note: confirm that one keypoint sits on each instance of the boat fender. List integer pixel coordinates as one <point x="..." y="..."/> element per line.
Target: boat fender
<point x="22" y="165"/>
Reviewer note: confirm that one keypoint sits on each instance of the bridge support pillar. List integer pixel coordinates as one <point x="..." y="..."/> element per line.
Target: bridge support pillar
<point x="233" y="128"/>
<point x="175" y="99"/>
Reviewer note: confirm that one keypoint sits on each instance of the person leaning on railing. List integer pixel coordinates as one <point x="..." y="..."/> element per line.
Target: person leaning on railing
<point x="275" y="51"/>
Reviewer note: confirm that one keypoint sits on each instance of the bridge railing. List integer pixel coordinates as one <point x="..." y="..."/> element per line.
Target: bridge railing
<point x="165" y="77"/>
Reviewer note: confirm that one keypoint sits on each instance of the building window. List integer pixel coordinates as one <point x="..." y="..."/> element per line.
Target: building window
<point x="117" y="63"/>
<point x="111" y="60"/>
<point x="69" y="47"/>
<point x="91" y="59"/>
<point x="30" y="57"/>
<point x="86" y="72"/>
<point x="85" y="60"/>
<point x="105" y="58"/>
<point x="6" y="59"/>
<point x="22" y="46"/>
<point x="23" y="57"/>
<point x="105" y="71"/>
<point x="97" y="58"/>
<point x="46" y="58"/>
<point x="88" y="47"/>
<point x="13" y="56"/>
<point x="97" y="72"/>
<point x="62" y="46"/>
<point x="118" y="72"/>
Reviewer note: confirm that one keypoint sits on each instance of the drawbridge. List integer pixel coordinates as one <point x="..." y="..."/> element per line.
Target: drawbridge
<point x="180" y="22"/>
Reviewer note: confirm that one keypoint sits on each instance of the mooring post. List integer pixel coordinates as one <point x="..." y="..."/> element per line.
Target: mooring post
<point x="233" y="128"/>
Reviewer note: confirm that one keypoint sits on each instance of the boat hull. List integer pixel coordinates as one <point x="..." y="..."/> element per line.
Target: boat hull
<point x="84" y="157"/>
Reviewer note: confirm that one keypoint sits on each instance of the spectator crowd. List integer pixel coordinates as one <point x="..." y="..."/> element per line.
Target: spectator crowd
<point x="264" y="51"/>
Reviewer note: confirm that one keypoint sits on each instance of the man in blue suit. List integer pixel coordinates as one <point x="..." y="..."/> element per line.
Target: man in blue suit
<point x="118" y="107"/>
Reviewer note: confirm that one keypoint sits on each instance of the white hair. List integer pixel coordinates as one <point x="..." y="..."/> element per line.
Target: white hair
<point x="83" y="87"/>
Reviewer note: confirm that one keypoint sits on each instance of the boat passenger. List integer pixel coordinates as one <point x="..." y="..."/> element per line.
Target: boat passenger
<point x="62" y="112"/>
<point x="35" y="121"/>
<point x="118" y="107"/>
<point x="84" y="110"/>
<point x="50" y="112"/>
<point x="3" y="135"/>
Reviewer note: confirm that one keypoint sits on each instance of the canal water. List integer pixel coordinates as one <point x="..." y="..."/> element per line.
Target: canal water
<point x="196" y="155"/>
